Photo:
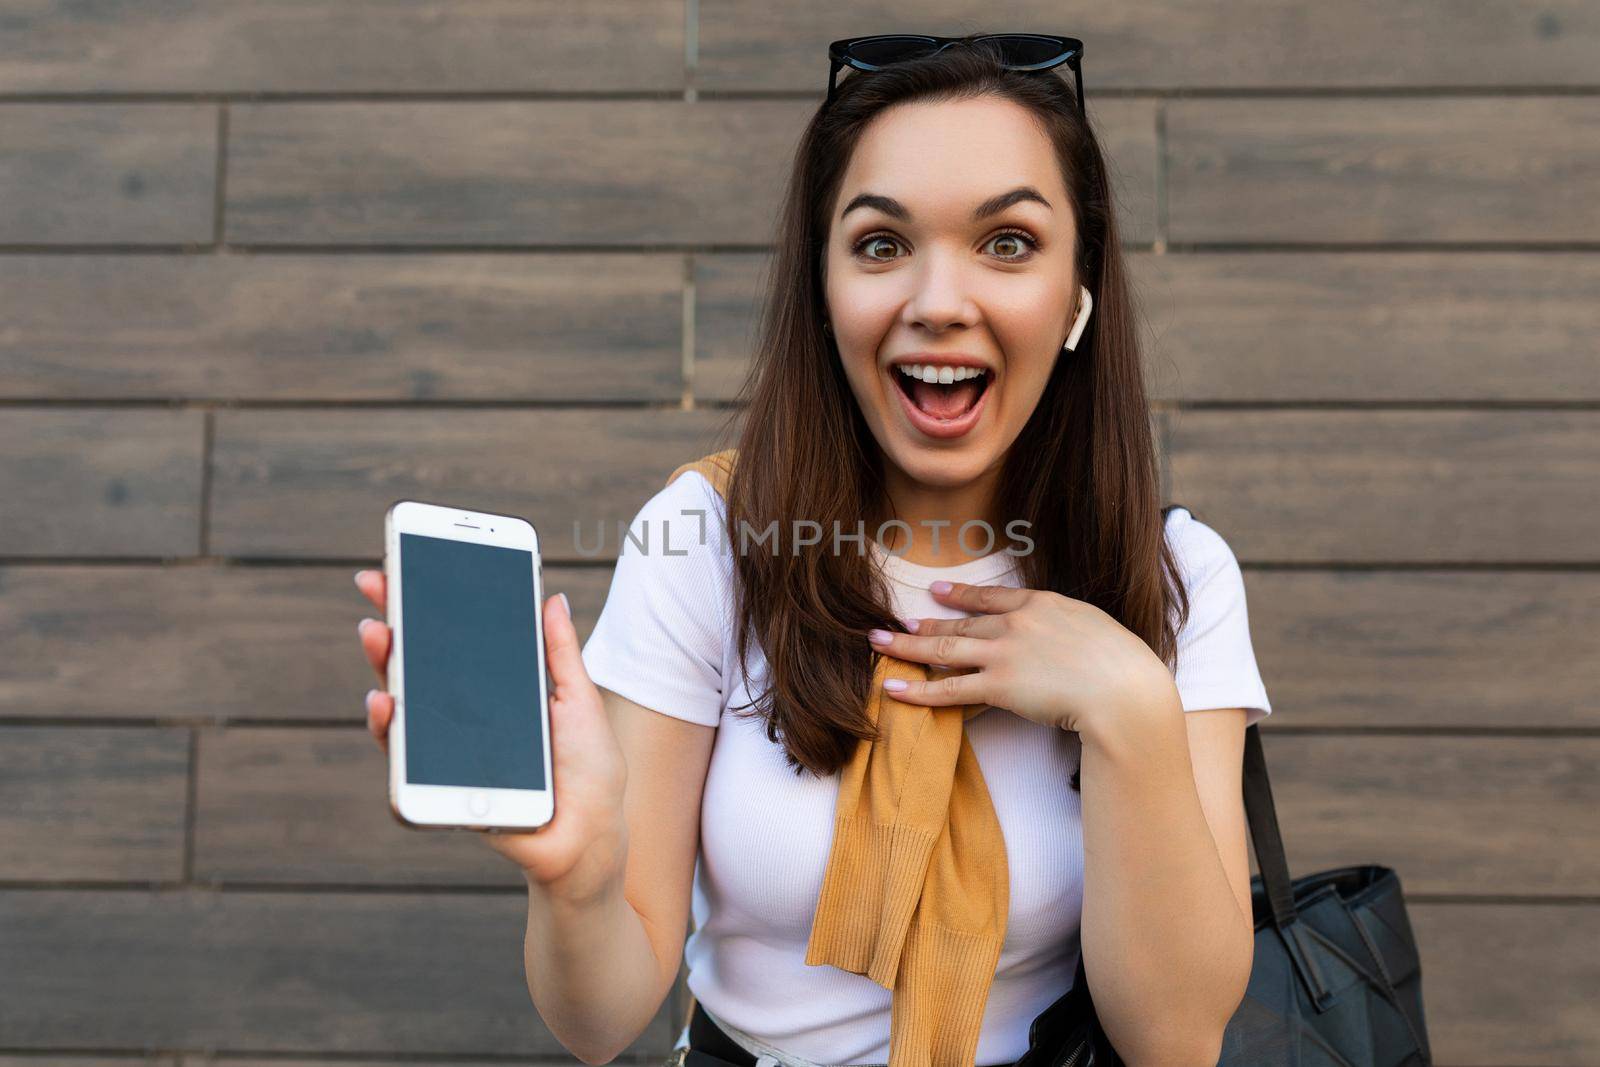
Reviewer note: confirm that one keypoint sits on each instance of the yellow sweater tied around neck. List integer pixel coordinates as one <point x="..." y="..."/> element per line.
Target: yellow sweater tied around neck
<point x="917" y="888"/>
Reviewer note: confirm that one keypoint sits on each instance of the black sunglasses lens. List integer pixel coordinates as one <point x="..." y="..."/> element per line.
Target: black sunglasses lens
<point x="1026" y="50"/>
<point x="881" y="51"/>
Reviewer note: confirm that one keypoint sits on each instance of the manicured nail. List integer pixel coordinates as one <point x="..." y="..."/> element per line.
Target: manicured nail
<point x="941" y="586"/>
<point x="913" y="624"/>
<point x="566" y="606"/>
<point x="879" y="637"/>
<point x="893" y="685"/>
<point x="370" y="694"/>
<point x="357" y="579"/>
<point x="361" y="627"/>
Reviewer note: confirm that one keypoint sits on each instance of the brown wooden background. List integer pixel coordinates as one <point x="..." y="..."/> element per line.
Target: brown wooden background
<point x="266" y="267"/>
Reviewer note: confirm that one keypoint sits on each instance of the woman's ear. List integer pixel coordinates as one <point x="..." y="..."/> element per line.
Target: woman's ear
<point x="1085" y="305"/>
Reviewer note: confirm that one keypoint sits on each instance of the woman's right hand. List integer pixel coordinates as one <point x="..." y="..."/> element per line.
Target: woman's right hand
<point x="582" y="852"/>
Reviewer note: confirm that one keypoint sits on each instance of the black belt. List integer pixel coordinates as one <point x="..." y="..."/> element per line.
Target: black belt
<point x="709" y="1046"/>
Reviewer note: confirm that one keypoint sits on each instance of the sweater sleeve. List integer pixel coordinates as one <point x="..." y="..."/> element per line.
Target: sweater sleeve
<point x="659" y="638"/>
<point x="1216" y="665"/>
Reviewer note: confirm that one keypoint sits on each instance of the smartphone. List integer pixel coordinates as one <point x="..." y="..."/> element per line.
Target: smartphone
<point x="469" y="743"/>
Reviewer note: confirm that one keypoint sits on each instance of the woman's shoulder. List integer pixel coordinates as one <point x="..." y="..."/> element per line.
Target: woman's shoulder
<point x="683" y="519"/>
<point x="1198" y="548"/>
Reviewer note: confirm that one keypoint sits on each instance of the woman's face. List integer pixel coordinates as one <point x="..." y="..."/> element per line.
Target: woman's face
<point x="912" y="277"/>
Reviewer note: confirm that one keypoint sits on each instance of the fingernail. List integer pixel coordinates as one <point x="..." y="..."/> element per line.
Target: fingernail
<point x="565" y="605"/>
<point x="941" y="586"/>
<point x="361" y="627"/>
<point x="912" y="624"/>
<point x="878" y="637"/>
<point x="357" y="579"/>
<point x="370" y="694"/>
<point x="893" y="685"/>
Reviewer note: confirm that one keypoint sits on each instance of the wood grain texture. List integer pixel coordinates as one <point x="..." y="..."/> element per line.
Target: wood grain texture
<point x="545" y="172"/>
<point x="1297" y="326"/>
<point x="233" y="46"/>
<point x="551" y="172"/>
<point x="1183" y="44"/>
<point x="355" y="972"/>
<point x="1482" y="815"/>
<point x="1349" y="171"/>
<point x="107" y="173"/>
<point x="309" y="484"/>
<point x="1510" y="984"/>
<point x="1428" y="649"/>
<point x="204" y="643"/>
<point x="93" y="803"/>
<point x="312" y="805"/>
<point x="1324" y="486"/>
<point x="343" y="327"/>
<point x="86" y="482"/>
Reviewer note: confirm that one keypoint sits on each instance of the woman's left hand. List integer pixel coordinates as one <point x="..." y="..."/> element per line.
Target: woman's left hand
<point x="1047" y="657"/>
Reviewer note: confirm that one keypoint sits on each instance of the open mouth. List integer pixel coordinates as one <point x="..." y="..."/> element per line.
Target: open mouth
<point x="939" y="408"/>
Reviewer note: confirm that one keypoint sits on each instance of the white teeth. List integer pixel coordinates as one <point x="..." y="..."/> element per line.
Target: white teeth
<point x="942" y="375"/>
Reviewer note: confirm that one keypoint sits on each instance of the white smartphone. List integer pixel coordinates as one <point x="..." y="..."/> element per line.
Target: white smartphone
<point x="469" y="744"/>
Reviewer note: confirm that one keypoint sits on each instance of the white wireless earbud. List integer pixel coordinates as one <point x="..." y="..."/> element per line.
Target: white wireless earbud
<point x="1081" y="321"/>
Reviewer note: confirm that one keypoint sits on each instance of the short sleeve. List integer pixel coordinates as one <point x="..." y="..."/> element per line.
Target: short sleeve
<point x="659" y="638"/>
<point x="1216" y="664"/>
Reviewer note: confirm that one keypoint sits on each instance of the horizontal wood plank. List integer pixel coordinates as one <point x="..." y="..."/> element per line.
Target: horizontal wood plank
<point x="1510" y="984"/>
<point x="92" y="802"/>
<point x="1512" y="487"/>
<point x="1296" y="326"/>
<point x="107" y="173"/>
<point x="1402" y="170"/>
<point x="86" y="482"/>
<point x="1187" y="44"/>
<point x="547" y="172"/>
<point x="425" y="973"/>
<point x="1483" y="816"/>
<point x="1433" y="649"/>
<point x="203" y="643"/>
<point x="162" y="46"/>
<point x="359" y="327"/>
<point x="311" y="805"/>
<point x="551" y="172"/>
<point x="312" y="484"/>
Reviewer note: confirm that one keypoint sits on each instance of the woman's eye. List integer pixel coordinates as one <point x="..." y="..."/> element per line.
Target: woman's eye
<point x="872" y="239"/>
<point x="1013" y="236"/>
<point x="1016" y="236"/>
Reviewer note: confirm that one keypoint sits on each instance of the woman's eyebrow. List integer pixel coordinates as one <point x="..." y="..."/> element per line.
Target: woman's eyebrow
<point x="992" y="206"/>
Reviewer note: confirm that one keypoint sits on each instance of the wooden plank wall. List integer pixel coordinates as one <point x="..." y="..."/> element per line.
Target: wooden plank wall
<point x="267" y="266"/>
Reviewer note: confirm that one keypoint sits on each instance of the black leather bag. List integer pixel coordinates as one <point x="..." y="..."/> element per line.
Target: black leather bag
<point x="1336" y="982"/>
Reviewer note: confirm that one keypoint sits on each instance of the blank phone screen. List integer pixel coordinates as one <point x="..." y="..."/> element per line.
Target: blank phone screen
<point x="470" y="665"/>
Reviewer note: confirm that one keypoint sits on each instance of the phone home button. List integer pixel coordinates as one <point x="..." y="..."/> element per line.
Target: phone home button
<point x="478" y="802"/>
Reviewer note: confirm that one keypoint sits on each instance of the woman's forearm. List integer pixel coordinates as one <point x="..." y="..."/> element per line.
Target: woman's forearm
<point x="1165" y="943"/>
<point x="591" y="970"/>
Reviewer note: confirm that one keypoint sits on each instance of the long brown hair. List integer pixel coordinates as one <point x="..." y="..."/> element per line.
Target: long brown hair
<point x="1082" y="472"/>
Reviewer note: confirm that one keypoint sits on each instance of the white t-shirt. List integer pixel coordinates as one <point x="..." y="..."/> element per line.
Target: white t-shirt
<point x="665" y="640"/>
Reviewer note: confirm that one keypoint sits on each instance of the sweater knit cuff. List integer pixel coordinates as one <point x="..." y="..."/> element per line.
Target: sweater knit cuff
<point x="937" y="1014"/>
<point x="869" y="893"/>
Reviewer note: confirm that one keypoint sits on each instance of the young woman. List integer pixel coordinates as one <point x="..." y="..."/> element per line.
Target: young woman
<point x="945" y="212"/>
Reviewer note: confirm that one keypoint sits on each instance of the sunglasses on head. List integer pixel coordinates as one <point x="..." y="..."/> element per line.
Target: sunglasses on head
<point x="1018" y="51"/>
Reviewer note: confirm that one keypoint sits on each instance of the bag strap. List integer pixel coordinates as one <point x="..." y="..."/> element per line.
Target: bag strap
<point x="1263" y="816"/>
